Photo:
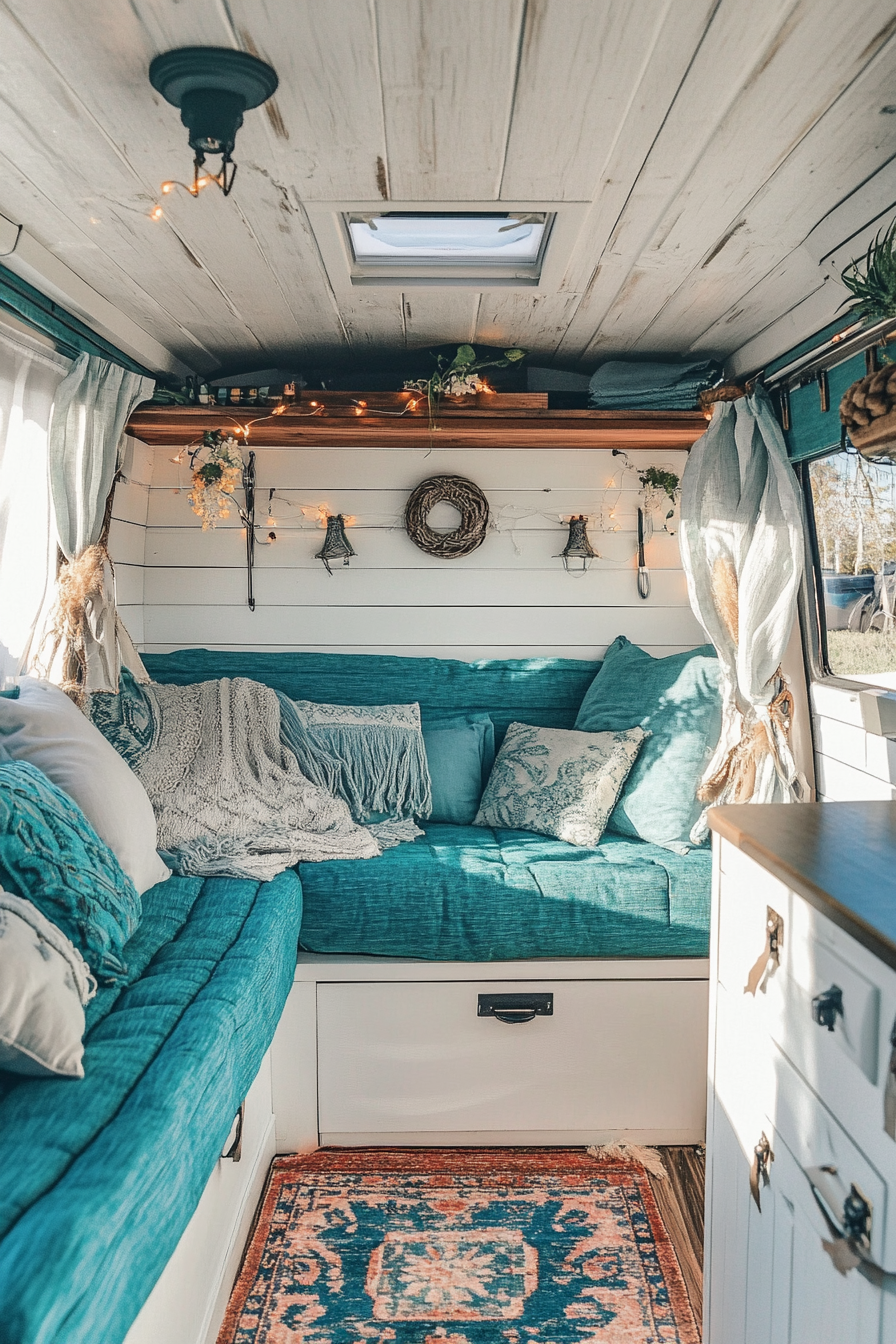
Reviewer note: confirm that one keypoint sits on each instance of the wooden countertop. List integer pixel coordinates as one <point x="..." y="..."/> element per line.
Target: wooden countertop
<point x="840" y="856"/>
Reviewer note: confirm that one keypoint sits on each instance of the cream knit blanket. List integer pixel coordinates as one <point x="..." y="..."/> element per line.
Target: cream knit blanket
<point x="228" y="797"/>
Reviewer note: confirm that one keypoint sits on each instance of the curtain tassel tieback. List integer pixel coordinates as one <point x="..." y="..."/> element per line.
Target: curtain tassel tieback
<point x="765" y="736"/>
<point x="81" y="591"/>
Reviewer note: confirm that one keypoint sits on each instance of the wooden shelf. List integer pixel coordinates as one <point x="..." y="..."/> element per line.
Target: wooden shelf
<point x="340" y="425"/>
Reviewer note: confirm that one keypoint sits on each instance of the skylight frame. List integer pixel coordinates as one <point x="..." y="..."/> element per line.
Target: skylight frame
<point x="414" y="267"/>
<point x="326" y="218"/>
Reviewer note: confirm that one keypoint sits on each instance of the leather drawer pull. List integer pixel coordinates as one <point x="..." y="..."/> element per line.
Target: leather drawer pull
<point x="769" y="959"/>
<point x="763" y="1157"/>
<point x="235" y="1151"/>
<point x="850" y="1244"/>
<point x="515" y="1007"/>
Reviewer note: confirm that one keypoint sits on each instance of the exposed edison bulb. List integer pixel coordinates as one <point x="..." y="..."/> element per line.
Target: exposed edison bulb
<point x="156" y="212"/>
<point x="314" y="403"/>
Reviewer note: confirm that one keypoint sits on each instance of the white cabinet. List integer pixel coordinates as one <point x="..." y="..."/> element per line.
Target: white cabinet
<point x="807" y="1095"/>
<point x="378" y="1051"/>
<point x="612" y="1058"/>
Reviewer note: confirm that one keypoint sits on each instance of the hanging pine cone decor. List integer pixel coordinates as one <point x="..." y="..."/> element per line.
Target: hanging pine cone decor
<point x="470" y="503"/>
<point x="868" y="410"/>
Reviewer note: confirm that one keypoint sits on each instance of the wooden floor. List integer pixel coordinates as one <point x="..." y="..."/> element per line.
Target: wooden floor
<point x="680" y="1200"/>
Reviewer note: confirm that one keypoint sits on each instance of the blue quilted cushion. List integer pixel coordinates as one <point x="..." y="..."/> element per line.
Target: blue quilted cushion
<point x="52" y="856"/>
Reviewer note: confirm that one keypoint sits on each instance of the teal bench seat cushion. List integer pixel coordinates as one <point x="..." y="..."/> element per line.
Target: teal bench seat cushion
<point x="102" y="1174"/>
<point x="543" y="691"/>
<point x="471" y="893"/>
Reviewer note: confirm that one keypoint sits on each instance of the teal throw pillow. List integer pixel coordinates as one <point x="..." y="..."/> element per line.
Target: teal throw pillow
<point x="556" y="781"/>
<point x="678" y="701"/>
<point x="51" y="855"/>
<point x="460" y="752"/>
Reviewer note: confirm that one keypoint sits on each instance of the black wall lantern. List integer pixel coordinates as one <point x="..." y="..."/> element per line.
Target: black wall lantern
<point x="336" y="544"/>
<point x="213" y="87"/>
<point x="578" y="552"/>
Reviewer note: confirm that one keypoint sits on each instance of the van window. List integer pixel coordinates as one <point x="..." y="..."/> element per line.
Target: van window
<point x="854" y="503"/>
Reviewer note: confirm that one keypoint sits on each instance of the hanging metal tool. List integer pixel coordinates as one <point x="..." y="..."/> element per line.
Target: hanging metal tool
<point x="643" y="571"/>
<point x="248" y="517"/>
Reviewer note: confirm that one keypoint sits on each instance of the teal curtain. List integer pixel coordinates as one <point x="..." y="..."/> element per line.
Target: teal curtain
<point x="71" y="336"/>
<point x="814" y="432"/>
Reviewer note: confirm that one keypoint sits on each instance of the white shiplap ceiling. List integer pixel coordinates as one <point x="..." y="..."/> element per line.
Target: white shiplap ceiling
<point x="730" y="156"/>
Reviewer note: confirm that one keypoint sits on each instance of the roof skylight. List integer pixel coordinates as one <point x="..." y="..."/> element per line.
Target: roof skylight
<point x="404" y="245"/>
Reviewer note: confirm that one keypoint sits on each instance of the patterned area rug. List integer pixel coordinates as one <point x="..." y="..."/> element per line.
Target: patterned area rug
<point x="458" y="1246"/>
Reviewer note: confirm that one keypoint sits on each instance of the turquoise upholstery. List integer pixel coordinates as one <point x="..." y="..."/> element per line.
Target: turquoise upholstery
<point x="469" y="893"/>
<point x="51" y="855"/>
<point x="102" y="1174"/>
<point x="543" y="691"/>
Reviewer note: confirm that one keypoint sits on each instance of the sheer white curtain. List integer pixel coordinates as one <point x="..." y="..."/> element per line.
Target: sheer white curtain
<point x="741" y="535"/>
<point x="30" y="373"/>
<point x="84" y="643"/>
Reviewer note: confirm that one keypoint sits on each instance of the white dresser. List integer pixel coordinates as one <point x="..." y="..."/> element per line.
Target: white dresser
<point x="801" y="1154"/>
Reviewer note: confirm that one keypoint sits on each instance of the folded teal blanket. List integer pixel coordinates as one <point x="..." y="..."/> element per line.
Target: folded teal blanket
<point x="635" y="385"/>
<point x="102" y="1174"/>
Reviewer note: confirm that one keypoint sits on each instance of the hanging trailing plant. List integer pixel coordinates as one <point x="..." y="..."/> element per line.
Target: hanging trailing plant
<point x="217" y="471"/>
<point x="872" y="279"/>
<point x="460" y="377"/>
<point x="660" y="488"/>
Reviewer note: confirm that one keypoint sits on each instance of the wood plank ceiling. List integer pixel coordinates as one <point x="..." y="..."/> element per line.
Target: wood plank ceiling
<point x="730" y="156"/>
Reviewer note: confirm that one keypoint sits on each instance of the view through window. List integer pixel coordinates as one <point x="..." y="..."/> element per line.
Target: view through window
<point x="855" y="519"/>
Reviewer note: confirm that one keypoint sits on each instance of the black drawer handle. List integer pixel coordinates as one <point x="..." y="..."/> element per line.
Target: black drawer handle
<point x="827" y="1007"/>
<point x="515" y="1007"/>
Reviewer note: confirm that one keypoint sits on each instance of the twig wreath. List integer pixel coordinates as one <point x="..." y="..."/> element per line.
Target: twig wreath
<point x="470" y="503"/>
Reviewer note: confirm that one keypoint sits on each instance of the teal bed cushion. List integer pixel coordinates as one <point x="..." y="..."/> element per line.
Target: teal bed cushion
<point x="678" y="701"/>
<point x="51" y="855"/>
<point x="543" y="691"/>
<point x="471" y="893"/>
<point x="102" y="1174"/>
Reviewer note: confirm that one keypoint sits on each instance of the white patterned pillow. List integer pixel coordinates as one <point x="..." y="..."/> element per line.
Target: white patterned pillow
<point x="558" y="782"/>
<point x="44" y="984"/>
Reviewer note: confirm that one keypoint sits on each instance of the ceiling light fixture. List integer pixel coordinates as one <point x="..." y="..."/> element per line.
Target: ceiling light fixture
<point x="213" y="87"/>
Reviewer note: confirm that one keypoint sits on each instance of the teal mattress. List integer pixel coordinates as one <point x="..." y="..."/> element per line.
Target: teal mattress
<point x="102" y="1174"/>
<point x="469" y="893"/>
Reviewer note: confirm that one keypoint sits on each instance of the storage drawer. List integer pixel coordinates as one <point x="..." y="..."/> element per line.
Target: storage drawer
<point x="810" y="1295"/>
<point x="613" y="1058"/>
<point x="845" y="1065"/>
<point x="771" y="1279"/>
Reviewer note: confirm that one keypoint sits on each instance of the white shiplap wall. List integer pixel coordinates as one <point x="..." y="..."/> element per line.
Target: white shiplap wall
<point x="510" y="598"/>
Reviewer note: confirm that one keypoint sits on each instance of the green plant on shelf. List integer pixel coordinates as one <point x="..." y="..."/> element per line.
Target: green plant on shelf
<point x="458" y="377"/>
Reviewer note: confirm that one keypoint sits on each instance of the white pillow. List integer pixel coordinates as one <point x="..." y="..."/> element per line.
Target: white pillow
<point x="44" y="984"/>
<point x="45" y="727"/>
